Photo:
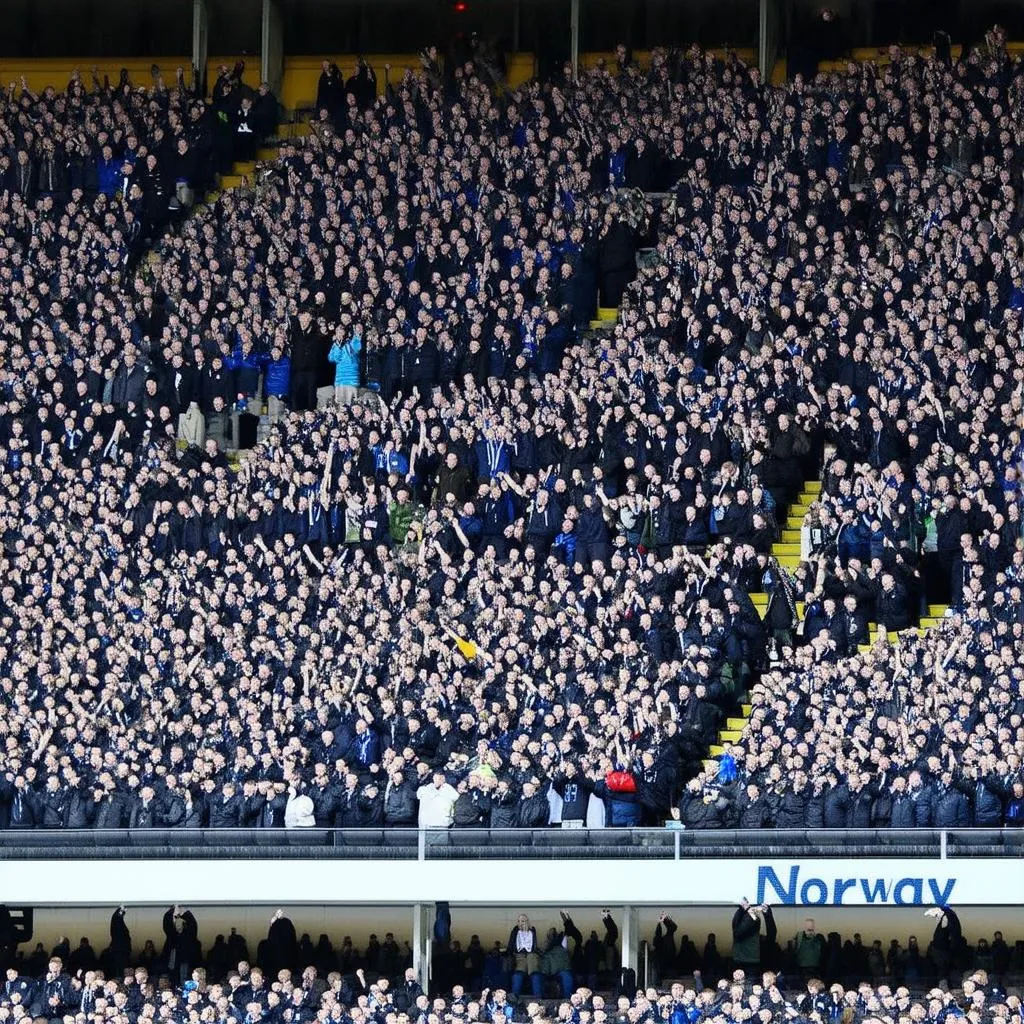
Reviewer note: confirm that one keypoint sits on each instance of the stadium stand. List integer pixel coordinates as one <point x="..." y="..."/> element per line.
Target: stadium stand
<point x="284" y="976"/>
<point x="340" y="499"/>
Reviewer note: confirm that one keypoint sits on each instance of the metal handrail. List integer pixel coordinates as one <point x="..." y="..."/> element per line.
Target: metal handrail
<point x="510" y="844"/>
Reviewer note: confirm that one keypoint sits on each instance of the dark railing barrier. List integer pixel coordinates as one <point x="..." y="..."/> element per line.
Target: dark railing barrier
<point x="506" y="844"/>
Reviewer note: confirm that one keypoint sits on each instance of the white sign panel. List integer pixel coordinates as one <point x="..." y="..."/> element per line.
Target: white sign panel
<point x="852" y="882"/>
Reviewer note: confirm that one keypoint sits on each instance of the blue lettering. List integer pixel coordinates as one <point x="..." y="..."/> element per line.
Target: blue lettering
<point x="915" y="885"/>
<point x="814" y="883"/>
<point x="942" y="898"/>
<point x="766" y="876"/>
<point x="877" y="893"/>
<point x="842" y="884"/>
<point x="788" y="890"/>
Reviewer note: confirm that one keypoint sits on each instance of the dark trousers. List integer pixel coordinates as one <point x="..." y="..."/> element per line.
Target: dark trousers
<point x="303" y="390"/>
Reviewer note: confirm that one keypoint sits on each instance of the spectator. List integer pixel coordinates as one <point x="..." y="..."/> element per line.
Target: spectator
<point x="746" y="934"/>
<point x="524" y="952"/>
<point x="436" y="802"/>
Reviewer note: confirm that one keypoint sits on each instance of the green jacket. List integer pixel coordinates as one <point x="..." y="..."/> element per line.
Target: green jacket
<point x="555" y="959"/>
<point x="809" y="949"/>
<point x="400" y="518"/>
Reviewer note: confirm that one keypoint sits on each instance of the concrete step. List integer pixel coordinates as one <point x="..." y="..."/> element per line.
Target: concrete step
<point x="812" y="486"/>
<point x="790" y="535"/>
<point x="246" y="168"/>
<point x="760" y="600"/>
<point x="781" y="549"/>
<point x="930" y="622"/>
<point x="608" y="313"/>
<point x="735" y="724"/>
<point x="876" y="634"/>
<point x="790" y="562"/>
<point x="938" y="610"/>
<point x="729" y="735"/>
<point x="267" y="153"/>
<point x="716" y="750"/>
<point x="231" y="181"/>
<point x="747" y="710"/>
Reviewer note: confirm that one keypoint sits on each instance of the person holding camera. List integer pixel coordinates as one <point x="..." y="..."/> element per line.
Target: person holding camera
<point x="746" y="935"/>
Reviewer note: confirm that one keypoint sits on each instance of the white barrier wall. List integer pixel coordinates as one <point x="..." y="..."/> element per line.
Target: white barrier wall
<point x="554" y="883"/>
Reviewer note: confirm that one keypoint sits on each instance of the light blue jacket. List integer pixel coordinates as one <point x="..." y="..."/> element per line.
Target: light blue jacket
<point x="345" y="356"/>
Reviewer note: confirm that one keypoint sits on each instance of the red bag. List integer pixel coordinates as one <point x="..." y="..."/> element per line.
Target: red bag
<point x="620" y="782"/>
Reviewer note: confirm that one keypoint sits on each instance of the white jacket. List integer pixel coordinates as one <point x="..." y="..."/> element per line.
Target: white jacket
<point x="436" y="805"/>
<point x="298" y="812"/>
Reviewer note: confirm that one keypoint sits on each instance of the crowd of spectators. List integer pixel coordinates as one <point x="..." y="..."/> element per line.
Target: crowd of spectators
<point x="108" y="166"/>
<point x="510" y="586"/>
<point x="925" y="733"/>
<point x="291" y="978"/>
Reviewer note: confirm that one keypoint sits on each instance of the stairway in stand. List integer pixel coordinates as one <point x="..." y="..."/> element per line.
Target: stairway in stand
<point x="787" y="551"/>
<point x="243" y="175"/>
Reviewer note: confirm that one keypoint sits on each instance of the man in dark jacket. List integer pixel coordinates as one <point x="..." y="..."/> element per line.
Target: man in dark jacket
<point x="54" y="995"/>
<point x="406" y="994"/>
<point x="306" y="356"/>
<point x="791" y="806"/>
<point x="751" y="810"/>
<point x="700" y="810"/>
<point x="946" y="942"/>
<point x="534" y="810"/>
<point x="891" y="605"/>
<point x="902" y="808"/>
<point x="746" y="935"/>
<point x="181" y="943"/>
<point x="855" y="624"/>
<point x="399" y="802"/>
<point x="224" y="809"/>
<point x="988" y="802"/>
<point x="950" y="807"/>
<point x="574" y="789"/>
<point x="616" y="259"/>
<point x="120" y="949"/>
<point x="129" y="381"/>
<point x="861" y="800"/>
<point x="473" y="807"/>
<point x="275" y="802"/>
<point x="837" y="804"/>
<point x="145" y="810"/>
<point x="642" y="166"/>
